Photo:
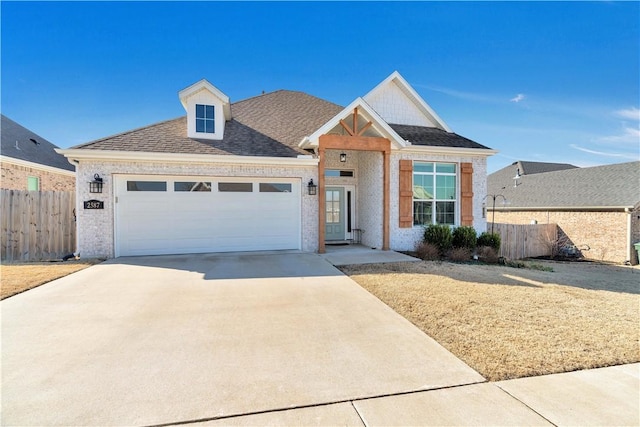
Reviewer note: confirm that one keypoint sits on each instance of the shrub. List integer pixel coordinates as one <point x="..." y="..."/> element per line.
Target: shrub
<point x="465" y="237"/>
<point x="438" y="235"/>
<point x="490" y="239"/>
<point x="488" y="254"/>
<point x="459" y="254"/>
<point x="427" y="251"/>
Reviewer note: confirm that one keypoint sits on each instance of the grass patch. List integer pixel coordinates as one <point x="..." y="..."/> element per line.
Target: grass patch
<point x="20" y="277"/>
<point x="510" y="323"/>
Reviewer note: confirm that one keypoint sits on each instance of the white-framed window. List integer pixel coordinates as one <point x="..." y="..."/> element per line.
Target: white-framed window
<point x="33" y="183"/>
<point x="205" y="118"/>
<point x="434" y="193"/>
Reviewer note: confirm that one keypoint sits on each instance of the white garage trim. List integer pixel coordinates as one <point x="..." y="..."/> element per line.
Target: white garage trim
<point x="232" y="214"/>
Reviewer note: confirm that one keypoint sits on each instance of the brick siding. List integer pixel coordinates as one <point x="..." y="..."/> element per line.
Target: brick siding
<point x="605" y="233"/>
<point x="14" y="177"/>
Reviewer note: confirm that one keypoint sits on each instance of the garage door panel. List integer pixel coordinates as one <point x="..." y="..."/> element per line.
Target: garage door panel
<point x="168" y="222"/>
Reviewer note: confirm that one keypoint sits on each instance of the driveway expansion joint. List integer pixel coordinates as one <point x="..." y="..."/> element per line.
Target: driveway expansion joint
<point x="529" y="407"/>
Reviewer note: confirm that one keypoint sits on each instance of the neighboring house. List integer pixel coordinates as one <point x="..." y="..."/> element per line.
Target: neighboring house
<point x="597" y="208"/>
<point x="283" y="170"/>
<point x="30" y="162"/>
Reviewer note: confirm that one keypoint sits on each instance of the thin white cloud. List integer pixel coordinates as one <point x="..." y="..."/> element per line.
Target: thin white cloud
<point x="471" y="96"/>
<point x="603" y="153"/>
<point x="519" y="97"/>
<point x="631" y="113"/>
<point x="629" y="136"/>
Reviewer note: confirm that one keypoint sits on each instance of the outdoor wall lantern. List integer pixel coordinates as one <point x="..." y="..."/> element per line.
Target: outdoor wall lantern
<point x="343" y="157"/>
<point x="95" y="186"/>
<point x="312" y="188"/>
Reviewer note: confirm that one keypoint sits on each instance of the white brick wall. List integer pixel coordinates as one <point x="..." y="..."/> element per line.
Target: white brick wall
<point x="370" y="200"/>
<point x="96" y="227"/>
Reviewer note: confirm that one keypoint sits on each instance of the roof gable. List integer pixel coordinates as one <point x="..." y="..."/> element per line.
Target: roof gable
<point x="20" y="143"/>
<point x="378" y="127"/>
<point x="397" y="102"/>
<point x="204" y="85"/>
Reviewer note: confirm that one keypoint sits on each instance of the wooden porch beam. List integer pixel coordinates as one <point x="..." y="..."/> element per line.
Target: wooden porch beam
<point x="361" y="131"/>
<point x="357" y="143"/>
<point x="346" y="127"/>
<point x="321" y="199"/>
<point x="386" y="198"/>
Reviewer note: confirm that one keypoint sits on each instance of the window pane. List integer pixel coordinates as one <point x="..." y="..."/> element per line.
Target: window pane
<point x="146" y="186"/>
<point x="199" y="111"/>
<point x="208" y="126"/>
<point x="422" y="213"/>
<point x="423" y="167"/>
<point x="445" y="187"/>
<point x="191" y="186"/>
<point x="199" y="125"/>
<point x="209" y="111"/>
<point x="275" y="188"/>
<point x="445" y="213"/>
<point x="33" y="183"/>
<point x="423" y="187"/>
<point x="237" y="187"/>
<point x="445" y="168"/>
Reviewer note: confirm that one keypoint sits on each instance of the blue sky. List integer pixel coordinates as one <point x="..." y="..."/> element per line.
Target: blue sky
<point x="540" y="81"/>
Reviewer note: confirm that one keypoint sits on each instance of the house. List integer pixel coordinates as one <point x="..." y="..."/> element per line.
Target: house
<point x="30" y="162"/>
<point x="597" y="209"/>
<point x="282" y="170"/>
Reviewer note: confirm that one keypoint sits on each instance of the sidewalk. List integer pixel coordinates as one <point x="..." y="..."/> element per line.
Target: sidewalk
<point x="599" y="397"/>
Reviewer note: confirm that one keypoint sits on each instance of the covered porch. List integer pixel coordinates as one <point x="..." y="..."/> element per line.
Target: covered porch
<point x="354" y="183"/>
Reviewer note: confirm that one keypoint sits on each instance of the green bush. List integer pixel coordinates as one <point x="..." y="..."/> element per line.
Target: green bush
<point x="465" y="237"/>
<point x="490" y="239"/>
<point x="440" y="236"/>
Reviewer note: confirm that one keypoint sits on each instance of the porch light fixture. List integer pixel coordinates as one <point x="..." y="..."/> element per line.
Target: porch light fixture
<point x="95" y="186"/>
<point x="312" y="188"/>
<point x="343" y="157"/>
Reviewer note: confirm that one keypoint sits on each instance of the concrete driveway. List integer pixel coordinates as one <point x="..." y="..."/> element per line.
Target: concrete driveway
<point x="175" y="339"/>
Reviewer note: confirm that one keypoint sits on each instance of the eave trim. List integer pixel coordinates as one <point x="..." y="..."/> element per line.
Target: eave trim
<point x="137" y="156"/>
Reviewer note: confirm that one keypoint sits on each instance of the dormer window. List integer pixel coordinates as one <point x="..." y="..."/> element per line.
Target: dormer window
<point x="205" y="119"/>
<point x="208" y="110"/>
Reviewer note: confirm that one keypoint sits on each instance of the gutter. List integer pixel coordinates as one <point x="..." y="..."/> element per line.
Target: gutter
<point x="423" y="149"/>
<point x="560" y="208"/>
<point x="38" y="166"/>
<point x="80" y="155"/>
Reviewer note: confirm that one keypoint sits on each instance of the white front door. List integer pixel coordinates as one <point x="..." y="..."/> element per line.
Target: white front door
<point x="176" y="215"/>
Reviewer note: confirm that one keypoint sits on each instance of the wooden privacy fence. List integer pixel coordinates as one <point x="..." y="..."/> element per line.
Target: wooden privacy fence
<point x="37" y="225"/>
<point x="526" y="240"/>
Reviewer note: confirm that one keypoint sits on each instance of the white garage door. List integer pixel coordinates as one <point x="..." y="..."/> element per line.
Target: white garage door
<point x="176" y="215"/>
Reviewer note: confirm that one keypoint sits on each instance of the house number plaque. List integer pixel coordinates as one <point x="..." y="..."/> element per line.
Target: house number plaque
<point x="93" y="204"/>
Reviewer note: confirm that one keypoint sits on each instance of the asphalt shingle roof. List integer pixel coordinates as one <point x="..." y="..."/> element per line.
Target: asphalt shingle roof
<point x="18" y="143"/>
<point x="422" y="135"/>
<point x="615" y="185"/>
<point x="272" y="124"/>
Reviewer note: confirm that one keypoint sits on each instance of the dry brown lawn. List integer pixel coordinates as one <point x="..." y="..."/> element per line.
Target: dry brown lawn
<point x="511" y="322"/>
<point x="16" y="278"/>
